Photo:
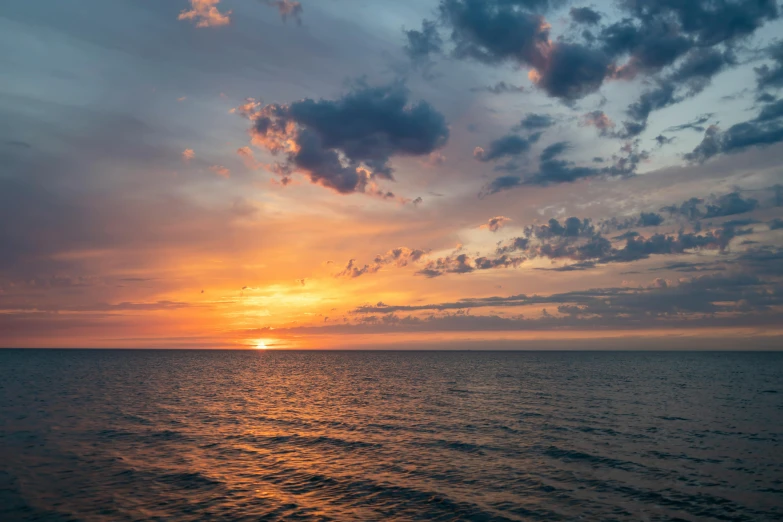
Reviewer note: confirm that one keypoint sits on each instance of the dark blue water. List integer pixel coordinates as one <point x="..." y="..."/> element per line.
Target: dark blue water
<point x="188" y="435"/>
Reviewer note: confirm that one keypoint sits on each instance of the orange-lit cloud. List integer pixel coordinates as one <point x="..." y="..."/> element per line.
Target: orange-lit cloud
<point x="206" y="14"/>
<point x="599" y="120"/>
<point x="495" y="223"/>
<point x="221" y="171"/>
<point x="188" y="155"/>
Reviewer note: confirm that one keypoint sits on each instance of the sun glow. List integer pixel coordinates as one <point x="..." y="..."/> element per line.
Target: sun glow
<point x="261" y="345"/>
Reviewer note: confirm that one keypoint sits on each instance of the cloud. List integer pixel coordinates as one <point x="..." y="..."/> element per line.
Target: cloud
<point x="554" y="150"/>
<point x="249" y="159"/>
<point x="346" y="144"/>
<point x="640" y="110"/>
<point x="716" y="300"/>
<point x="585" y="15"/>
<point x="494" y="31"/>
<point x="435" y="159"/>
<point x="771" y="76"/>
<point x="421" y="44"/>
<point x="690" y="78"/>
<point x="499" y="88"/>
<point x="553" y="171"/>
<point x="206" y="14"/>
<point x="550" y="171"/>
<point x="736" y="138"/>
<point x="644" y="219"/>
<point x="729" y="204"/>
<point x="496" y="223"/>
<point x="287" y="8"/>
<point x="578" y="240"/>
<point x="188" y="155"/>
<point x="507" y="146"/>
<point x="535" y="122"/>
<point x="221" y="171"/>
<point x="709" y="23"/>
<point x="770" y="112"/>
<point x="463" y="264"/>
<point x="696" y="124"/>
<point x="600" y="121"/>
<point x="649" y="38"/>
<point x="399" y="257"/>
<point x="500" y="184"/>
<point x="571" y="71"/>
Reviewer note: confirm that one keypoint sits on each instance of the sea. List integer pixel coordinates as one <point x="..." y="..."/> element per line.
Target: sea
<point x="116" y="435"/>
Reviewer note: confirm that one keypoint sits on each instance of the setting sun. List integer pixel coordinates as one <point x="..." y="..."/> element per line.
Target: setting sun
<point x="261" y="345"/>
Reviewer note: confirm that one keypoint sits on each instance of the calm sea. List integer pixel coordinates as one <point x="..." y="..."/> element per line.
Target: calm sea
<point x="195" y="435"/>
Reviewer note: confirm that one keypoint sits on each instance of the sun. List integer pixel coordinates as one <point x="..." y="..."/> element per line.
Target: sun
<point x="261" y="345"/>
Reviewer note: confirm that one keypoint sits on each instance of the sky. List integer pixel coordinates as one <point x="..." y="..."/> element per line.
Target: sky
<point x="417" y="173"/>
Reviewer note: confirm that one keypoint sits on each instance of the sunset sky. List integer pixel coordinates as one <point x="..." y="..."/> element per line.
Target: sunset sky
<point x="407" y="173"/>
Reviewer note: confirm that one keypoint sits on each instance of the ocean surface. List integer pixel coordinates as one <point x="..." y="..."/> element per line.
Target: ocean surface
<point x="211" y="435"/>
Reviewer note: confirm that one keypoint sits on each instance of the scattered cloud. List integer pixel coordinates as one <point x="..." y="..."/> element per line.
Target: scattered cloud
<point x="500" y="88"/>
<point x="287" y="9"/>
<point x="221" y="171"/>
<point x="205" y="14"/>
<point x="496" y="223"/>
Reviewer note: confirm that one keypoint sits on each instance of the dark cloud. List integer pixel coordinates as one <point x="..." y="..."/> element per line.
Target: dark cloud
<point x="572" y="71"/>
<point x="507" y="146"/>
<point x="696" y="124"/>
<point x="577" y="240"/>
<point x="776" y="224"/>
<point x="736" y="139"/>
<point x="516" y="244"/>
<point x="554" y="150"/>
<point x="553" y="171"/>
<point x="707" y="21"/>
<point x="650" y="46"/>
<point x="493" y="31"/>
<point x="691" y="77"/>
<point x="662" y="140"/>
<point x="585" y="15"/>
<point x="423" y="43"/>
<point x="535" y="122"/>
<point x="600" y="121"/>
<point x="463" y="264"/>
<point x="707" y="300"/>
<point x="559" y="171"/>
<point x="651" y="37"/>
<point x="772" y="76"/>
<point x="730" y="205"/>
<point x="399" y="257"/>
<point x="287" y="8"/>
<point x="684" y="266"/>
<point x="640" y="110"/>
<point x="770" y="112"/>
<point x="500" y="184"/>
<point x="500" y="88"/>
<point x="698" y="68"/>
<point x="346" y="143"/>
<point x="644" y="219"/>
<point x="572" y="227"/>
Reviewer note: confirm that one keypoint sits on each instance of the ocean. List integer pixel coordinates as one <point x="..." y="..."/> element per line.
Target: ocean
<point x="115" y="435"/>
